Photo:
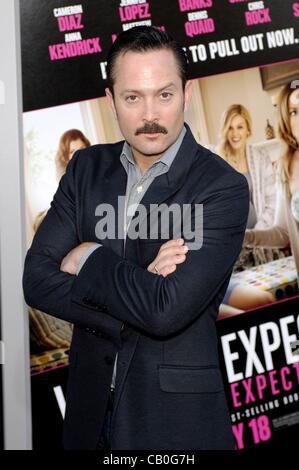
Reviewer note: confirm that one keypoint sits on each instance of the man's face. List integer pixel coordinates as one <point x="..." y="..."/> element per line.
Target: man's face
<point x="149" y="100"/>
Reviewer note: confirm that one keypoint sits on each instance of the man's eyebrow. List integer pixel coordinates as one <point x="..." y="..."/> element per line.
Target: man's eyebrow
<point x="165" y="87"/>
<point x="169" y="85"/>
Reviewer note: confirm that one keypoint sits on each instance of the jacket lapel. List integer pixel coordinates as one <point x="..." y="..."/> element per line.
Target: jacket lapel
<point x="164" y="187"/>
<point x="114" y="191"/>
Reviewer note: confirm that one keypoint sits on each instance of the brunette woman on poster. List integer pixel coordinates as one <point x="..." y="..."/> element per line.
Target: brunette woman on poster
<point x="71" y="141"/>
<point x="285" y="230"/>
<point x="46" y="331"/>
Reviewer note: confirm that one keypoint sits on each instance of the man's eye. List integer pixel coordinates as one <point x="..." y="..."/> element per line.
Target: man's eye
<point x="131" y="99"/>
<point x="165" y="95"/>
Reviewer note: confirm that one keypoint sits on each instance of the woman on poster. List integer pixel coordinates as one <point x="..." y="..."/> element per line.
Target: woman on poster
<point x="285" y="229"/>
<point x="256" y="166"/>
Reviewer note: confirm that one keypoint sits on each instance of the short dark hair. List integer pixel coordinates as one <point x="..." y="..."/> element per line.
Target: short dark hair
<point x="144" y="39"/>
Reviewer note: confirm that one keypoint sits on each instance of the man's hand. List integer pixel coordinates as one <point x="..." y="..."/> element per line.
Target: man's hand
<point x="170" y="254"/>
<point x="71" y="261"/>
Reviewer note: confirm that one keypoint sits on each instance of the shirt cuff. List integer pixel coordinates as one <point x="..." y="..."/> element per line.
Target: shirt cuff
<point x="86" y="255"/>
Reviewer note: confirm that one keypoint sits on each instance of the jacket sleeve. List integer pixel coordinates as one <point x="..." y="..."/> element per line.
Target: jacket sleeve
<point x="45" y="286"/>
<point x="163" y="306"/>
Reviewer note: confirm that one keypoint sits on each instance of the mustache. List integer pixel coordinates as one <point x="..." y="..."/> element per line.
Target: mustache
<point x="153" y="128"/>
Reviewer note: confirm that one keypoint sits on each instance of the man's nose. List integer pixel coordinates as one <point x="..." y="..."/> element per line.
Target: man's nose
<point x="150" y="111"/>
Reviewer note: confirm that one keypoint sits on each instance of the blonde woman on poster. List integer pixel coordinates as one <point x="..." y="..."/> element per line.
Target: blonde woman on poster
<point x="236" y="128"/>
<point x="256" y="166"/>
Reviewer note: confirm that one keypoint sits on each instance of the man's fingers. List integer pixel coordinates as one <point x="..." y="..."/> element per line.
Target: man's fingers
<point x="172" y="254"/>
<point x="180" y="259"/>
<point x="170" y="261"/>
<point x="177" y="259"/>
<point x="171" y="251"/>
<point x="168" y="270"/>
<point x="171" y="243"/>
<point x="168" y="258"/>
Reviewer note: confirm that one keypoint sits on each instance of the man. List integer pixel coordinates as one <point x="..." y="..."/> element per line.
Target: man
<point x="142" y="307"/>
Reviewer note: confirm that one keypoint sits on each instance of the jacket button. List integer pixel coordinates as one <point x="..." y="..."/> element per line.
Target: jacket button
<point x="108" y="360"/>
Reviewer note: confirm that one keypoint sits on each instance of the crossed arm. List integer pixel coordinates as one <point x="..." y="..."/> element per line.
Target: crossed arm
<point x="130" y="294"/>
<point x="171" y="253"/>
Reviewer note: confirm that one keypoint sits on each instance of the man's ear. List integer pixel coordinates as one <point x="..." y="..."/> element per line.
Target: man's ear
<point x="188" y="94"/>
<point x="111" y="101"/>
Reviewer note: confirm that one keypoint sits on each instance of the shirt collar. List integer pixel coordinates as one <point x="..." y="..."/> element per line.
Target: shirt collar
<point x="167" y="158"/>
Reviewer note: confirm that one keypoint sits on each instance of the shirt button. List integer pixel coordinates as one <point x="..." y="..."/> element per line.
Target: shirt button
<point x="139" y="189"/>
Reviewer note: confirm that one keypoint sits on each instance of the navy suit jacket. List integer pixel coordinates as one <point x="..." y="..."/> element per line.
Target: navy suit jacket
<point x="169" y="390"/>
